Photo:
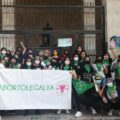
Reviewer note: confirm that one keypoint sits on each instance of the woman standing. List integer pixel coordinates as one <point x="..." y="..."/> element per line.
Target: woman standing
<point x="66" y="66"/>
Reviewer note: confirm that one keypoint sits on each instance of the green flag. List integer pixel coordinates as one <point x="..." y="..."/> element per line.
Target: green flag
<point x="81" y="86"/>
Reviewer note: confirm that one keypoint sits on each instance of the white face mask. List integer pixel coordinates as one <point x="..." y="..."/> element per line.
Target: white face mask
<point x="98" y="81"/>
<point x="37" y="62"/>
<point x="76" y="58"/>
<point x="67" y="62"/>
<point x="28" y="63"/>
<point x="3" y="52"/>
<point x="110" y="84"/>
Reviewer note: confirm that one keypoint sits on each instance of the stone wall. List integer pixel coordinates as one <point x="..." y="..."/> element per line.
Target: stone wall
<point x="112" y="13"/>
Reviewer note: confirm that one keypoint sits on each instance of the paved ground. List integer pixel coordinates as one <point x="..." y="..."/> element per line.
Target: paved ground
<point x="58" y="117"/>
<point x="51" y="115"/>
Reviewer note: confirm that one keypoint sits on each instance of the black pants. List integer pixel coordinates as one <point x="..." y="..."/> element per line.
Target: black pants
<point x="115" y="105"/>
<point x="89" y="99"/>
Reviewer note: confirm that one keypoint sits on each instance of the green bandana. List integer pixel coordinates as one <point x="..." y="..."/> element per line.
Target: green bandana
<point x="106" y="62"/>
<point x="14" y="66"/>
<point x="87" y="68"/>
<point x="99" y="66"/>
<point x="46" y="61"/>
<point x="55" y="67"/>
<point x="75" y="63"/>
<point x="66" y="67"/>
<point x="111" y="90"/>
<point x="28" y="67"/>
<point x="2" y="56"/>
<point x="118" y="71"/>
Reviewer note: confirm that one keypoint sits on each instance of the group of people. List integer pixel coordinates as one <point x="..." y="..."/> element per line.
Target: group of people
<point x="104" y="96"/>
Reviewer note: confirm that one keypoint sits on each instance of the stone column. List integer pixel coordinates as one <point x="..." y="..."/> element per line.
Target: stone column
<point x="8" y="23"/>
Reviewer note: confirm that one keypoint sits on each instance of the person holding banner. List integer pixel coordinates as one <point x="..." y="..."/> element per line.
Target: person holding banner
<point x="66" y="66"/>
<point x="37" y="63"/>
<point x="27" y="64"/>
<point x="76" y="64"/>
<point x="2" y="66"/>
<point x="14" y="64"/>
<point x="3" y="52"/>
<point x="55" y="64"/>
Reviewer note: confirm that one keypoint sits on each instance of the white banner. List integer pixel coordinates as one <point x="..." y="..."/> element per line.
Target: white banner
<point x="34" y="89"/>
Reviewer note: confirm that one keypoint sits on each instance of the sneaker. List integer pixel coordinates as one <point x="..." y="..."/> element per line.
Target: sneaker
<point x="67" y="111"/>
<point x="93" y="111"/>
<point x="59" y="111"/>
<point x="110" y="113"/>
<point x="78" y="114"/>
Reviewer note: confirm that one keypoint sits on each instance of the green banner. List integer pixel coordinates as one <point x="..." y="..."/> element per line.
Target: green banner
<point x="81" y="86"/>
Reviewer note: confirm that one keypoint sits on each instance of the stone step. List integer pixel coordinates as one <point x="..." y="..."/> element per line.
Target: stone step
<point x="59" y="117"/>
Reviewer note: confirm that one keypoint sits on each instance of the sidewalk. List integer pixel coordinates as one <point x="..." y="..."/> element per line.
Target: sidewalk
<point x="59" y="117"/>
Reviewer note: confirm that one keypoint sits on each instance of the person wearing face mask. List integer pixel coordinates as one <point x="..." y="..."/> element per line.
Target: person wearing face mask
<point x="88" y="98"/>
<point x="101" y="90"/>
<point x="107" y="61"/>
<point x="2" y="66"/>
<point x="27" y="64"/>
<point x="55" y="64"/>
<point x="76" y="68"/>
<point x="6" y="59"/>
<point x="37" y="63"/>
<point x="3" y="53"/>
<point x="100" y="68"/>
<point x="76" y="65"/>
<point x="55" y="54"/>
<point x="87" y="70"/>
<point x="112" y="97"/>
<point x="46" y="59"/>
<point x="66" y="66"/>
<point x="14" y="64"/>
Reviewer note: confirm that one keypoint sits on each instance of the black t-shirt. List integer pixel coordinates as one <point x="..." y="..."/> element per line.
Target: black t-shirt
<point x="76" y="66"/>
<point x="87" y="73"/>
<point x="37" y="67"/>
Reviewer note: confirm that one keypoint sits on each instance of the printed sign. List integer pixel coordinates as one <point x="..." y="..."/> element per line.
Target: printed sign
<point x="64" y="42"/>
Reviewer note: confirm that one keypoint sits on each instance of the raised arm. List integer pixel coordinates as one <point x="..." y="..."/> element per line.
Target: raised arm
<point x="23" y="46"/>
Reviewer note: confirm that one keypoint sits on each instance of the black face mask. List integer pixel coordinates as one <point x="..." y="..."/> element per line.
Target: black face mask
<point x="87" y="62"/>
<point x="45" y="57"/>
<point x="53" y="63"/>
<point x="99" y="60"/>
